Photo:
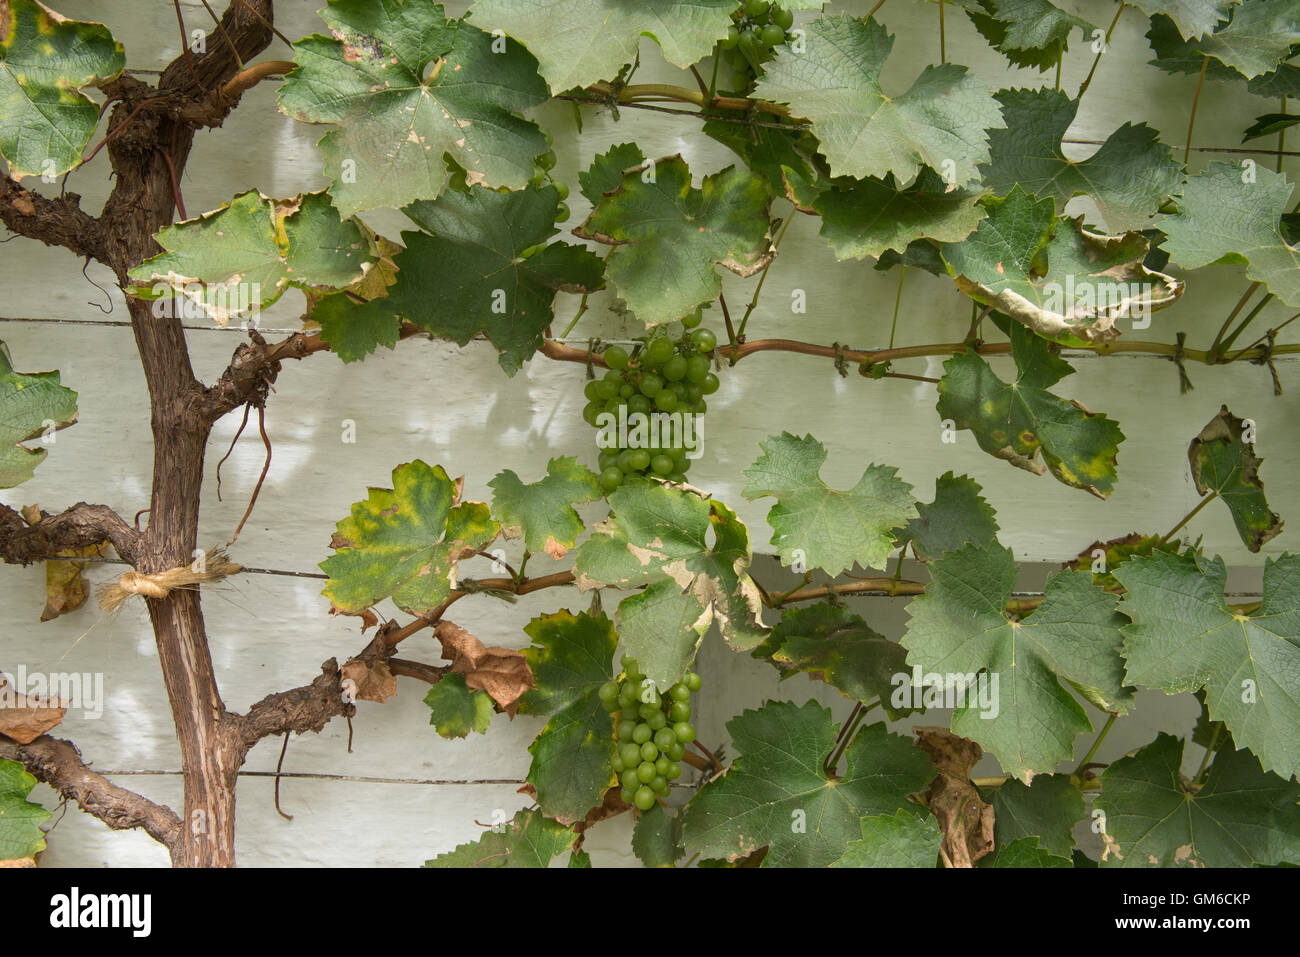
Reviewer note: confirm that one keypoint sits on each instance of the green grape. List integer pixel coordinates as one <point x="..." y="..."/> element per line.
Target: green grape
<point x="607" y="458"/>
<point x="685" y="733"/>
<point x="657" y="721"/>
<point x="645" y="797"/>
<point x="782" y="17"/>
<point x="674" y="771"/>
<point x="651" y="385"/>
<point x="546" y="160"/>
<point x="695" y="318"/>
<point x="613" y="405"/>
<point x="610" y="706"/>
<point x="661" y="465"/>
<point x="681" y="711"/>
<point x="697" y="367"/>
<point x="642" y="733"/>
<point x="628" y="795"/>
<point x="607" y="389"/>
<point x="611" y="478"/>
<point x="647" y="710"/>
<point x="648" y="751"/>
<point x="710" y="384"/>
<point x="620" y="767"/>
<point x="591" y="389"/>
<point x="678" y="454"/>
<point x="631" y="754"/>
<point x="628" y="714"/>
<point x="674" y="368"/>
<point x="664" y="739"/>
<point x="625" y="729"/>
<point x="659" y="351"/>
<point x="590" y="411"/>
<point x="626" y="391"/>
<point x="666" y="400"/>
<point x="562" y="213"/>
<point x="677" y="751"/>
<point x="639" y="404"/>
<point x="616" y="357"/>
<point x="645" y="772"/>
<point x="693" y="394"/>
<point x="693" y="681"/>
<point x="639" y="458"/>
<point x="662" y="764"/>
<point x="659" y="785"/>
<point x="625" y="462"/>
<point x="629" y="779"/>
<point x="771" y="35"/>
<point x="750" y="44"/>
<point x="678" y="389"/>
<point x="676" y="476"/>
<point x="704" y="339"/>
<point x="729" y="41"/>
<point x="562" y="188"/>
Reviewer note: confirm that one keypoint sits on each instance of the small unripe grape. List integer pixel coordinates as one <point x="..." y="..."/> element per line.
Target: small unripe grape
<point x="729" y="41"/>
<point x="648" y="751"/>
<point x="631" y="754"/>
<point x="704" y="339"/>
<point x="666" y="400"/>
<point x="657" y="721"/>
<point x="546" y="160"/>
<point x="659" y="785"/>
<point x="611" y="478"/>
<point x="771" y="35"/>
<point x="685" y="733"/>
<point x="681" y="712"/>
<point x="674" y="771"/>
<point x="645" y="797"/>
<point x="756" y="8"/>
<point x="661" y="465"/>
<point x="695" y="318"/>
<point x="620" y="767"/>
<point x="710" y="384"/>
<point x="592" y="390"/>
<point x="662" y="765"/>
<point x="664" y="739"/>
<point x="645" y="772"/>
<point x="642" y="733"/>
<point x="675" y="368"/>
<point x="639" y="459"/>
<point x="782" y="17"/>
<point x="693" y="681"/>
<point x="616" y="357"/>
<point x="638" y="403"/>
<point x="628" y="795"/>
<point x="562" y="213"/>
<point x="677" y="751"/>
<point x="625" y="729"/>
<point x="562" y="188"/>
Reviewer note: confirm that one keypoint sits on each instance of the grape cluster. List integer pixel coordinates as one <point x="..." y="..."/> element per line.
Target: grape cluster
<point x="757" y="27"/>
<point x="651" y="732"/>
<point x="542" y="166"/>
<point x="662" y="374"/>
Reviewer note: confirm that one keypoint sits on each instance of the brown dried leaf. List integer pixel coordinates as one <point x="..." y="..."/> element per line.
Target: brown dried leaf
<point x="964" y="818"/>
<point x="25" y="719"/>
<point x="374" y="680"/>
<point x="502" y="672"/>
<point x="65" y="588"/>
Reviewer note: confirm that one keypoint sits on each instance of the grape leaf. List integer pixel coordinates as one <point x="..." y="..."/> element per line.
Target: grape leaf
<point x="605" y="174"/>
<point x="571" y="657"/>
<point x="776" y="793"/>
<point x="1176" y="55"/>
<point x="905" y="839"/>
<point x="1221" y="219"/>
<point x="1284" y="81"/>
<point x="656" y="536"/>
<point x="455" y="710"/>
<point x="1258" y="37"/>
<point x="1021" y="420"/>
<point x="782" y="156"/>
<point x="1267" y="124"/>
<point x="866" y="217"/>
<point x="481" y="266"/>
<point x="1046" y="811"/>
<point x="1184" y="637"/>
<point x="580" y="42"/>
<point x="404" y="543"/>
<point x="1054" y="276"/>
<point x="1116" y="552"/>
<point x="835" y="83"/>
<point x="832" y="529"/>
<point x="657" y="838"/>
<point x="542" y="512"/>
<point x="1240" y="817"/>
<point x="1192" y="17"/>
<point x="243" y="255"/>
<point x="31" y="404"/>
<point x="668" y="236"/>
<point x="922" y="254"/>
<point x="957" y="516"/>
<point x="1027" y="32"/>
<point x="21" y="837"/>
<point x="45" y="62"/>
<point x="830" y="643"/>
<point x="960" y="627"/>
<point x="352" y="330"/>
<point x="1129" y="176"/>
<point x="1223" y="461"/>
<point x="1026" y="852"/>
<point x="405" y="85"/>
<point x="530" y="840"/>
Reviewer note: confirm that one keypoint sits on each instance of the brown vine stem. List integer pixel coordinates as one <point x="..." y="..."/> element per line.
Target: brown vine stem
<point x="255" y="74"/>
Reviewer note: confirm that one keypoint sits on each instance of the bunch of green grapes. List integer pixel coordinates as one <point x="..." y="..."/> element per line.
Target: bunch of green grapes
<point x="542" y="166"/>
<point x="758" y="26"/>
<point x="662" y="374"/>
<point x="651" y="731"/>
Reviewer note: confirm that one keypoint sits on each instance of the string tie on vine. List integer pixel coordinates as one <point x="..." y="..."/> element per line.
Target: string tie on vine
<point x="1184" y="380"/>
<point x="212" y="568"/>
<point x="1266" y="358"/>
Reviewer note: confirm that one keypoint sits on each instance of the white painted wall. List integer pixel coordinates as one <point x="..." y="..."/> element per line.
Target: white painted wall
<point x="403" y="794"/>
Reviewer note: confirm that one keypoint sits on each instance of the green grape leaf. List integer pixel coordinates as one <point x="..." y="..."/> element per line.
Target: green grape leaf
<point x="1045" y="811"/>
<point x="580" y="42"/>
<point x="1191" y="17"/>
<point x="1184" y="637"/>
<point x="579" y="859"/>
<point x="923" y="254"/>
<point x="1023" y="715"/>
<point x="404" y="543"/>
<point x="1020" y="421"/>
<point x="480" y="267"/>
<point x="866" y="217"/>
<point x="1241" y="816"/>
<point x="1029" y="33"/>
<point x="1224" y="461"/>
<point x="455" y="710"/>
<point x="605" y="174"/>
<point x="571" y="657"/>
<point x="542" y="512"/>
<point x="656" y="536"/>
<point x="354" y="331"/>
<point x="1221" y="219"/>
<point x="905" y="839"/>
<point x="958" y="516"/>
<point x="776" y="793"/>
<point x="832" y="529"/>
<point x="1129" y="176"/>
<point x="830" y="643"/>
<point x="1284" y="81"/>
<point x="1026" y="852"/>
<point x="1055" y="276"/>
<point x="404" y="86"/>
<point x="1115" y="553"/>
<point x="530" y="840"/>
<point x="239" y="258"/>
<point x="32" y="404"/>
<point x="45" y="62"/>
<point x="1257" y="38"/>
<point x="835" y="83"/>
<point x="1209" y="734"/>
<point x="1268" y="124"/>
<point x="657" y="838"/>
<point x="668" y="236"/>
<point x="21" y="837"/>
<point x="782" y="156"/>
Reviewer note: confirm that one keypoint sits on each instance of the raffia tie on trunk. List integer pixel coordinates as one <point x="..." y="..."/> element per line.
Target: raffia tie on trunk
<point x="215" y="567"/>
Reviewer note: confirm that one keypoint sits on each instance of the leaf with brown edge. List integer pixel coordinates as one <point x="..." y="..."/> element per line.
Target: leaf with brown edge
<point x="23" y="718"/>
<point x="65" y="587"/>
<point x="964" y="818"/>
<point x="502" y="672"/>
<point x="373" y="679"/>
<point x="1114" y="553"/>
<point x="1223" y="460"/>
